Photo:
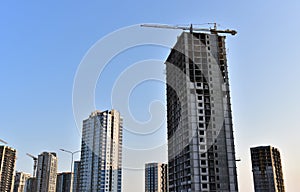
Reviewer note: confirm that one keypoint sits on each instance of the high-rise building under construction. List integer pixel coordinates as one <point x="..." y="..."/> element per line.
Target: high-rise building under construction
<point x="267" y="169"/>
<point x="201" y="151"/>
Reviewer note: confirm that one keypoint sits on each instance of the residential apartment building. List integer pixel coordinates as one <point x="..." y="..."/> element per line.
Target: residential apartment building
<point x="30" y="185"/>
<point x="101" y="152"/>
<point x="201" y="151"/>
<point x="46" y="172"/>
<point x="64" y="182"/>
<point x="76" y="176"/>
<point x="8" y="157"/>
<point x="20" y="181"/>
<point x="267" y="169"/>
<point x="156" y="177"/>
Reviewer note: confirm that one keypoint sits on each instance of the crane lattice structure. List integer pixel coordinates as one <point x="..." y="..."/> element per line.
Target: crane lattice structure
<point x="34" y="163"/>
<point x="192" y="29"/>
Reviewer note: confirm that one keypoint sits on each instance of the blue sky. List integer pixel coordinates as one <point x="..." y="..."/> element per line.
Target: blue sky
<point x="43" y="43"/>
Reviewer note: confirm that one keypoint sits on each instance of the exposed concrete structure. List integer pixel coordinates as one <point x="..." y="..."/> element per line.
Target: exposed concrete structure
<point x="201" y="150"/>
<point x="267" y="170"/>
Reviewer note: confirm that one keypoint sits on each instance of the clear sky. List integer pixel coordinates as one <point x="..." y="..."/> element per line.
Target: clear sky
<point x="43" y="43"/>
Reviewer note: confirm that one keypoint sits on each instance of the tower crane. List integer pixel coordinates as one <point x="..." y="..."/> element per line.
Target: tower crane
<point x="3" y="142"/>
<point x="192" y="29"/>
<point x="35" y="163"/>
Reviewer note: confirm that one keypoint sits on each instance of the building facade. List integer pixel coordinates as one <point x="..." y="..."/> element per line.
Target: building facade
<point x="46" y="172"/>
<point x="267" y="170"/>
<point x="8" y="157"/>
<point x="156" y="177"/>
<point x="101" y="152"/>
<point x="76" y="176"/>
<point x="64" y="182"/>
<point x="201" y="151"/>
<point x="30" y="185"/>
<point x="20" y="181"/>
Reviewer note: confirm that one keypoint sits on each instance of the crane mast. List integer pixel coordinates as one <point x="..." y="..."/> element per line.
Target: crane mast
<point x="192" y="29"/>
<point x="35" y="163"/>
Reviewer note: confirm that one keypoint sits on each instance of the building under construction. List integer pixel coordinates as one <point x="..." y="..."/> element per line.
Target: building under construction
<point x="267" y="170"/>
<point x="201" y="152"/>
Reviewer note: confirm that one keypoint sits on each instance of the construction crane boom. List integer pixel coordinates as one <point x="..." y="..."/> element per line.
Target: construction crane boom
<point x="3" y="142"/>
<point x="192" y="29"/>
<point x="34" y="163"/>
